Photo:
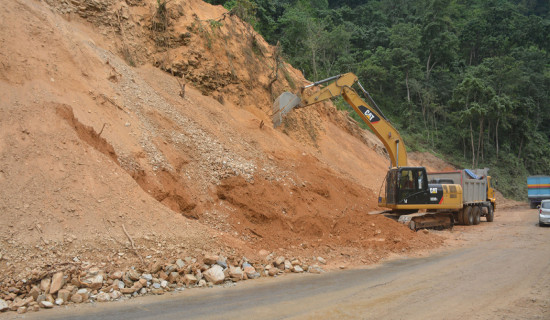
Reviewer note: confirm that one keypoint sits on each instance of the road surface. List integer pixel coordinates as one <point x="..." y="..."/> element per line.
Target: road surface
<point x="498" y="270"/>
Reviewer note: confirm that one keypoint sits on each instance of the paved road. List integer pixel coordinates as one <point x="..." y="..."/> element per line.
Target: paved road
<point x="503" y="272"/>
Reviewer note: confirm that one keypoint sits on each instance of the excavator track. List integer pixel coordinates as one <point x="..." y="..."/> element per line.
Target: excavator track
<point x="428" y="220"/>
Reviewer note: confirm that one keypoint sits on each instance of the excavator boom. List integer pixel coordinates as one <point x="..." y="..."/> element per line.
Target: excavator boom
<point x="342" y="86"/>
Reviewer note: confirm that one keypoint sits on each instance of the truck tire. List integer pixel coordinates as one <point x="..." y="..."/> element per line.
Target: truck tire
<point x="467" y="217"/>
<point x="476" y="215"/>
<point x="459" y="216"/>
<point x="490" y="214"/>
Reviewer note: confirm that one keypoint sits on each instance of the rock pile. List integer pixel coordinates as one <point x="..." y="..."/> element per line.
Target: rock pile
<point x="83" y="282"/>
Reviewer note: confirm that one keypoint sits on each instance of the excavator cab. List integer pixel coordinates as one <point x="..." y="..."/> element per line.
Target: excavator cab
<point x="406" y="185"/>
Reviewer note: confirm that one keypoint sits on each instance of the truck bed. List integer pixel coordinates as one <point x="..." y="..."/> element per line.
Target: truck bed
<point x="473" y="182"/>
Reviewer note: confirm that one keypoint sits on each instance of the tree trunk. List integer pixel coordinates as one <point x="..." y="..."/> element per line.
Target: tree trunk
<point x="314" y="64"/>
<point x="480" y="141"/>
<point x="473" y="147"/>
<point x="520" y="146"/>
<point x="428" y="66"/>
<point x="407" y="84"/>
<point x="496" y="137"/>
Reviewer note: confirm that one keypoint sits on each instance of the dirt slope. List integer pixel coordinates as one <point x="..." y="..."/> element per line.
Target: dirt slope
<point x="97" y="136"/>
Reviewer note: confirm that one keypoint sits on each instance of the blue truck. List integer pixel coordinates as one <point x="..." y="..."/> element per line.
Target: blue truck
<point x="538" y="189"/>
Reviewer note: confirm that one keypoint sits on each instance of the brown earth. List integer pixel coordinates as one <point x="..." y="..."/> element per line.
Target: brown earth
<point x="113" y="118"/>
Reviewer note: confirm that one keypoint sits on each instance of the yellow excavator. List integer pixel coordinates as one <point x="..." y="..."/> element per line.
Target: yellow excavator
<point x="407" y="189"/>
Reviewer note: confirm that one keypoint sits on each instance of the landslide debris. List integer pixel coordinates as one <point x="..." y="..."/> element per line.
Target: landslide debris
<point x="132" y="136"/>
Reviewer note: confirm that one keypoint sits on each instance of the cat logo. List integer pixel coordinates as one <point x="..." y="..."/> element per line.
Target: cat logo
<point x="369" y="114"/>
<point x="433" y="190"/>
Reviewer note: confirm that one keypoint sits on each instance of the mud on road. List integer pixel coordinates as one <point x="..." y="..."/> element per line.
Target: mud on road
<point x="496" y="270"/>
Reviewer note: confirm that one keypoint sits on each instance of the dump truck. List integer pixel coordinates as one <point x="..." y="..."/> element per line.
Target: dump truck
<point x="406" y="190"/>
<point x="538" y="189"/>
<point x="478" y="195"/>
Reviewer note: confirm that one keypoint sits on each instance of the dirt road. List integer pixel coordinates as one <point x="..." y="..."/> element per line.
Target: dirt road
<point x="498" y="270"/>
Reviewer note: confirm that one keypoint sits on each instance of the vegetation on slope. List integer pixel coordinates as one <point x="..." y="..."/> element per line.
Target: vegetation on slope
<point x="469" y="79"/>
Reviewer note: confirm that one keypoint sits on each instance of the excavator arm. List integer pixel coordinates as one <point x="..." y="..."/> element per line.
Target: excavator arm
<point x="342" y="86"/>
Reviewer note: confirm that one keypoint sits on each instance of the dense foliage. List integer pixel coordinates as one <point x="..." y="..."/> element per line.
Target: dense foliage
<point x="469" y="79"/>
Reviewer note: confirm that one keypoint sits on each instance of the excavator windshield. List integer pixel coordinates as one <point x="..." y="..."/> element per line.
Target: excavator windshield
<point x="406" y="185"/>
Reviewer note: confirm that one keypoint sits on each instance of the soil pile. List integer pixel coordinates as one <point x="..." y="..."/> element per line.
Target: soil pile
<point x="123" y="121"/>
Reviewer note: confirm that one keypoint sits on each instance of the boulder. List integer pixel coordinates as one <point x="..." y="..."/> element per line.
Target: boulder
<point x="3" y="305"/>
<point x="57" y="282"/>
<point x="84" y="293"/>
<point x="235" y="273"/>
<point x="103" y="297"/>
<point x="173" y="277"/>
<point x="96" y="282"/>
<point x="279" y="261"/>
<point x="45" y="284"/>
<point x="288" y="265"/>
<point x="34" y="293"/>
<point x="297" y="269"/>
<point x="76" y="298"/>
<point x="128" y="290"/>
<point x="214" y="274"/>
<point x="63" y="294"/>
<point x="210" y="259"/>
<point x="155" y="267"/>
<point x="273" y="272"/>
<point x="133" y="275"/>
<point x="115" y="294"/>
<point x="189" y="279"/>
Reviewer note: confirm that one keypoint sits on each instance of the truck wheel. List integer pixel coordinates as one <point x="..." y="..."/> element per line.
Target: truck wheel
<point x="490" y="214"/>
<point x="467" y="217"/>
<point x="476" y="215"/>
<point x="459" y="216"/>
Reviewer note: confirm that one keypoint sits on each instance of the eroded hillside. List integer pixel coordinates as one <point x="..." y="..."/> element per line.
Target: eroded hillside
<point x="131" y="136"/>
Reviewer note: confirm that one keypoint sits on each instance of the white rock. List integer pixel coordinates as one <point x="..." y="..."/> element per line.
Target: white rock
<point x="180" y="263"/>
<point x="288" y="265"/>
<point x="103" y="297"/>
<point x="84" y="293"/>
<point x="297" y="269"/>
<point x="163" y="283"/>
<point x="46" y="304"/>
<point x="115" y="294"/>
<point x="96" y="282"/>
<point x="3" y="305"/>
<point x="147" y="276"/>
<point x="215" y="274"/>
<point x="59" y="301"/>
<point x="321" y="260"/>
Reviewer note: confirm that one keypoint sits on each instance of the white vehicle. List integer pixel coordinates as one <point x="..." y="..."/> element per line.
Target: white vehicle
<point x="544" y="213"/>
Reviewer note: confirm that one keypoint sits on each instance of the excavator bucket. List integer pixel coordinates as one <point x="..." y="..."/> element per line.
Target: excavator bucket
<point x="284" y="103"/>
